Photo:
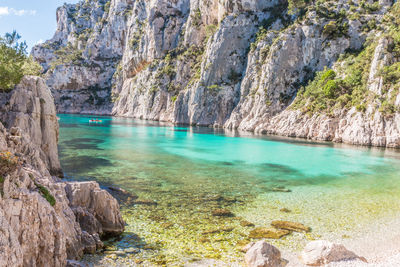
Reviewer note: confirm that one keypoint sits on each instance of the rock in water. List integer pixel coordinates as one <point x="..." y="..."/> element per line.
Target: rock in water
<point x="263" y="232"/>
<point x="245" y="223"/>
<point x="142" y="201"/>
<point x="285" y="210"/>
<point x="222" y="213"/>
<point x="291" y="226"/>
<point x="321" y="252"/>
<point x="262" y="254"/>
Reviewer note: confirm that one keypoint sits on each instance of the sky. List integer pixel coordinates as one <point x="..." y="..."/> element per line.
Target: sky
<point x="34" y="20"/>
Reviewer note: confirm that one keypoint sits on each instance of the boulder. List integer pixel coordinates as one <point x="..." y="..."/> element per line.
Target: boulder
<point x="262" y="254"/>
<point x="321" y="252"/>
<point x="98" y="202"/>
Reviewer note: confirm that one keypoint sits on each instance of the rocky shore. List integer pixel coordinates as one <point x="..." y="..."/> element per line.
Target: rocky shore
<point x="44" y="221"/>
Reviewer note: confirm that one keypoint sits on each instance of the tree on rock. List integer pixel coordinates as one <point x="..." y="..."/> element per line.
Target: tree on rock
<point x="296" y="5"/>
<point x="14" y="62"/>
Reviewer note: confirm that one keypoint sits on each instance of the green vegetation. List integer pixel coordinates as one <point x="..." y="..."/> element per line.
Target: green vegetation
<point x="136" y="38"/>
<point x="347" y="86"/>
<point x="196" y="18"/>
<point x="213" y="87"/>
<point x="14" y="62"/>
<point x="328" y="92"/>
<point x="8" y="163"/>
<point x="67" y="55"/>
<point x="295" y="5"/>
<point x="107" y="7"/>
<point x="46" y="194"/>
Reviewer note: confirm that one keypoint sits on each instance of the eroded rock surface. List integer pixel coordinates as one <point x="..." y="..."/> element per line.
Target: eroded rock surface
<point x="38" y="226"/>
<point x="88" y="198"/>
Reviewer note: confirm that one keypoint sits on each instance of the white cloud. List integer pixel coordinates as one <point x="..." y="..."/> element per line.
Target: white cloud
<point x="39" y="42"/>
<point x="5" y="11"/>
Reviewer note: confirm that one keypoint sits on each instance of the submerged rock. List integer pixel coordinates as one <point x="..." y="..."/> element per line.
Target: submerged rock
<point x="292" y="226"/>
<point x="262" y="254"/>
<point x="285" y="210"/>
<point x="141" y="201"/>
<point x="281" y="189"/>
<point x="222" y="213"/>
<point x="264" y="232"/>
<point x="321" y="252"/>
<point x="118" y="190"/>
<point x="245" y="223"/>
<point x="220" y="230"/>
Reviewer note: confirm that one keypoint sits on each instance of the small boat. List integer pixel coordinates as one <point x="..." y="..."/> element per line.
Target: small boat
<point x="95" y="121"/>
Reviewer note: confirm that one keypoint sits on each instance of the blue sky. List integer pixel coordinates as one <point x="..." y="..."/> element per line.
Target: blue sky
<point x="34" y="20"/>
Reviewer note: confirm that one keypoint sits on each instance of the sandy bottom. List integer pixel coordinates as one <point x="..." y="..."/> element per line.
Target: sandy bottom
<point x="379" y="244"/>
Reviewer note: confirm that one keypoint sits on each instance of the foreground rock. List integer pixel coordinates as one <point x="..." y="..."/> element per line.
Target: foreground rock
<point x="322" y="252"/>
<point x="44" y="221"/>
<point x="262" y="254"/>
<point x="88" y="196"/>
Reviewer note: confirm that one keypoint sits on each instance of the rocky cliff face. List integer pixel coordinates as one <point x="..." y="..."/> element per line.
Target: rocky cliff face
<point x="236" y="64"/>
<point x="40" y="222"/>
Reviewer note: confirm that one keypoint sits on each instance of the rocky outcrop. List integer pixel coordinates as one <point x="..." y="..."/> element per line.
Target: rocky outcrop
<point x="101" y="210"/>
<point x="318" y="253"/>
<point x="38" y="222"/>
<point x="234" y="64"/>
<point x="31" y="108"/>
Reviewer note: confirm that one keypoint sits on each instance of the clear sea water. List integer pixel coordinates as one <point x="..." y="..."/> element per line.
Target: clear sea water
<point x="191" y="171"/>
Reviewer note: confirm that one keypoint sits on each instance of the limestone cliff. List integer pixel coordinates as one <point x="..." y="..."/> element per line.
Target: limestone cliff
<point x="237" y="64"/>
<point x="40" y="222"/>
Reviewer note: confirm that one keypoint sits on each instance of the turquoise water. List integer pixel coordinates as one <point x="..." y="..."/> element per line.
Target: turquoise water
<point x="191" y="171"/>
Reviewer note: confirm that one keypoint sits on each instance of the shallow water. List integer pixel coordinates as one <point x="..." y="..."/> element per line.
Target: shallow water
<point x="191" y="171"/>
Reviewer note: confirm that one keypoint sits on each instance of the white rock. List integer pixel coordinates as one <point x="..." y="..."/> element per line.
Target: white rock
<point x="322" y="252"/>
<point x="262" y="254"/>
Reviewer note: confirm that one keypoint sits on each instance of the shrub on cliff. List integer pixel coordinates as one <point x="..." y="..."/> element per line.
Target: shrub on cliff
<point x="8" y="163"/>
<point x="14" y="62"/>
